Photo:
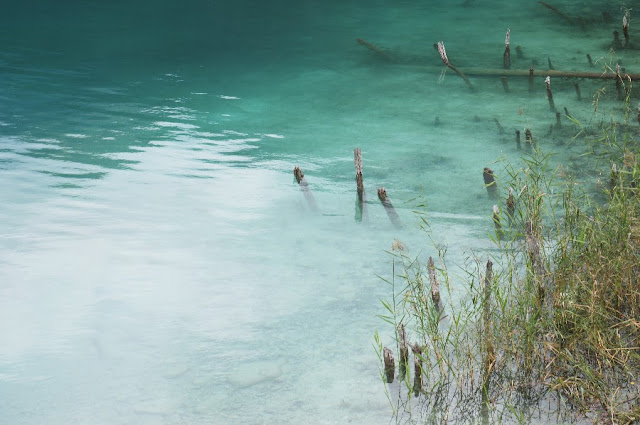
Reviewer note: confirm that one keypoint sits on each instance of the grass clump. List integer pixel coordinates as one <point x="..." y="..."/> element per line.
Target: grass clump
<point x="549" y="327"/>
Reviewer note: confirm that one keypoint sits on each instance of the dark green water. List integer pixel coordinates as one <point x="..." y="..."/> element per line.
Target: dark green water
<point x="159" y="265"/>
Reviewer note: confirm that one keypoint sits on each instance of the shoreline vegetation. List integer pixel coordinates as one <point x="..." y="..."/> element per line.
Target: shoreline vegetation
<point x="546" y="329"/>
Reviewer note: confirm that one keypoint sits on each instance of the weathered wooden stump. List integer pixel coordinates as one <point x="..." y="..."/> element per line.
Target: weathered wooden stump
<point x="435" y="285"/>
<point x="304" y="186"/>
<point x="389" y="364"/>
<point x="547" y="82"/>
<point x="511" y="205"/>
<point x="507" y="51"/>
<point x="496" y="222"/>
<point x="388" y="206"/>
<point x="490" y="182"/>
<point x="360" y="199"/>
<point x="417" y="369"/>
<point x="403" y="347"/>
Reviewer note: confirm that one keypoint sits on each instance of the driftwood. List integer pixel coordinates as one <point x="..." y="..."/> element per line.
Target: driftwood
<point x="304" y="186"/>
<point x="388" y="206"/>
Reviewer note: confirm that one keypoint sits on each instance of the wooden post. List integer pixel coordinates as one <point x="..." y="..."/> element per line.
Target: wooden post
<point x="616" y="39"/>
<point x="505" y="84"/>
<point x="511" y="206"/>
<point x="360" y="200"/>
<point x="500" y="129"/>
<point x="528" y="140"/>
<point x="496" y="222"/>
<point x="304" y="186"/>
<point x="417" y="369"/>
<point x="490" y="182"/>
<point x="619" y="83"/>
<point x="518" y="140"/>
<point x="403" y="347"/>
<point x="435" y="285"/>
<point x="590" y="60"/>
<point x="625" y="30"/>
<point x="558" y="121"/>
<point x="549" y="62"/>
<point x="389" y="364"/>
<point x="547" y="82"/>
<point x="577" y="87"/>
<point x="388" y="206"/>
<point x="507" y="51"/>
<point x="531" y="79"/>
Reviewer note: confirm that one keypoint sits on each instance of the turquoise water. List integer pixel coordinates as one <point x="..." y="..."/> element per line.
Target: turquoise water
<point x="159" y="264"/>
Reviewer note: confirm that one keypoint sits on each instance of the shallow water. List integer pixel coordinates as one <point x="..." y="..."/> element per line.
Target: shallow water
<point x="159" y="264"/>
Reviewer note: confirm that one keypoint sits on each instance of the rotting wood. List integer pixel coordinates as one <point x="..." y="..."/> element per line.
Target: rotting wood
<point x="389" y="364"/>
<point x="511" y="206"/>
<point x="496" y="221"/>
<point x="417" y="369"/>
<point x="547" y="82"/>
<point x="577" y="87"/>
<point x="360" y="200"/>
<point x="375" y="49"/>
<point x="507" y="51"/>
<point x="558" y="12"/>
<point x="445" y="60"/>
<point x="490" y="182"/>
<point x="435" y="285"/>
<point x="388" y="206"/>
<point x="403" y="347"/>
<point x="304" y="186"/>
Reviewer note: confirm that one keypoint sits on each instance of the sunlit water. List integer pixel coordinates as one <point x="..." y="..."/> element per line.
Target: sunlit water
<point x="158" y="262"/>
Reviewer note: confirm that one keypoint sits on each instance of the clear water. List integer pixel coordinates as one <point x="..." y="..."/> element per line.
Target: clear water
<point x="158" y="263"/>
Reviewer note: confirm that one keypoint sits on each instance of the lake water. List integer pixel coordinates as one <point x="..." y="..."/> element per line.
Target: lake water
<point x="158" y="262"/>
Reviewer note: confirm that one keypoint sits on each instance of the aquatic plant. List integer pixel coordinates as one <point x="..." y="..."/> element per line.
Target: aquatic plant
<point x="550" y="323"/>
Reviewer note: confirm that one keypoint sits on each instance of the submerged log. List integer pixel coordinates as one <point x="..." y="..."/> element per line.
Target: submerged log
<point x="304" y="186"/>
<point x="388" y="206"/>
<point x="389" y="364"/>
<point x="553" y="73"/>
<point x="375" y="49"/>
